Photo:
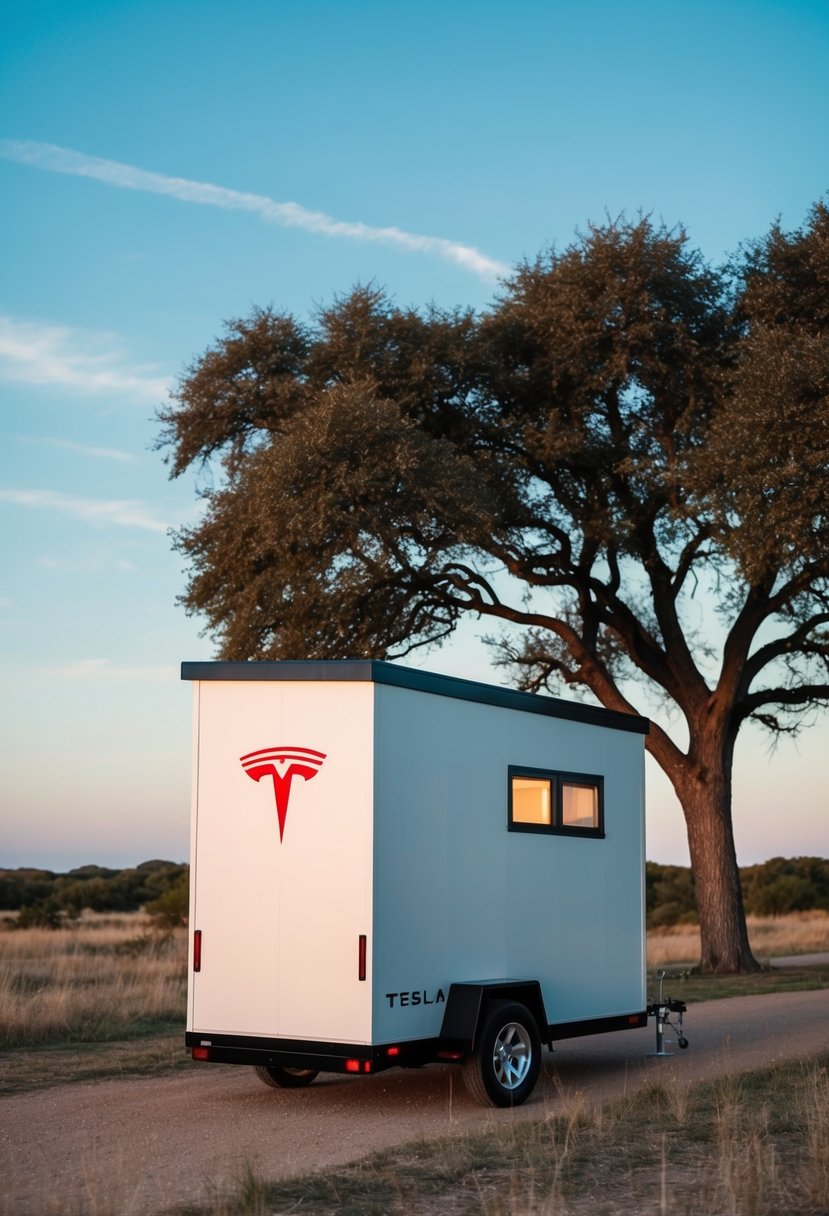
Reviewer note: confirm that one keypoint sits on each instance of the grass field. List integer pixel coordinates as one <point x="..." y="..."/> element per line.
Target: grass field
<point x="103" y="978"/>
<point x="106" y="995"/>
<point x="770" y="936"/>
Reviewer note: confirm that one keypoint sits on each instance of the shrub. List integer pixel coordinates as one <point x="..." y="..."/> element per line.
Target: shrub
<point x="169" y="910"/>
<point x="44" y="914"/>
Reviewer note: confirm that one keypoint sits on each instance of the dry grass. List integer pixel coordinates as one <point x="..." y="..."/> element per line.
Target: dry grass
<point x="105" y="977"/>
<point x="25" y="1069"/>
<point x="752" y="1145"/>
<point x="755" y="1144"/>
<point x="770" y="936"/>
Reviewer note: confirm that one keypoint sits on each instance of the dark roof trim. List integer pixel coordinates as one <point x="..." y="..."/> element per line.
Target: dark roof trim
<point x="378" y="672"/>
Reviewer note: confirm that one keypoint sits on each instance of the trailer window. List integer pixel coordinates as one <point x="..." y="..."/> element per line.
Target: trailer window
<point x="579" y="805"/>
<point x="566" y="804"/>
<point x="531" y="800"/>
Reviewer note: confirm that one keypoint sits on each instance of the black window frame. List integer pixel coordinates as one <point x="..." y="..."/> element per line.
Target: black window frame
<point x="557" y="779"/>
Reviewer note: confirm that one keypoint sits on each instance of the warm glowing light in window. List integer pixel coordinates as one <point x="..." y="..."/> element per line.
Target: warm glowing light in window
<point x="579" y="806"/>
<point x="531" y="801"/>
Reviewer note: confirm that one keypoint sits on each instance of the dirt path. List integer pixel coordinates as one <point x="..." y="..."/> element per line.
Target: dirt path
<point x="136" y="1146"/>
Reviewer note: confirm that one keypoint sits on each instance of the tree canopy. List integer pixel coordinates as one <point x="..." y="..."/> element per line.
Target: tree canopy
<point x="626" y="432"/>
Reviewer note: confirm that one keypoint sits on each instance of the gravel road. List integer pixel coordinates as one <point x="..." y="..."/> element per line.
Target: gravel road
<point x="137" y="1146"/>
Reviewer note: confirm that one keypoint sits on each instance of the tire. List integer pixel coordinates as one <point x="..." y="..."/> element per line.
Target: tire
<point x="506" y="1062"/>
<point x="280" y="1077"/>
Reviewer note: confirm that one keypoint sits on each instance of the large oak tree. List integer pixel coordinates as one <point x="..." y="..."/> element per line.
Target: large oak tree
<point x="623" y="461"/>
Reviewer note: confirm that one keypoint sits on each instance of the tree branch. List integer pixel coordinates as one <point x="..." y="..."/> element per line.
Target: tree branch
<point x="786" y="698"/>
<point x="796" y="642"/>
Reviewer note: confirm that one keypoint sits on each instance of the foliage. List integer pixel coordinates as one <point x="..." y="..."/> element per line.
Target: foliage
<point x="43" y="914"/>
<point x="24" y="886"/>
<point x="782" y="885"/>
<point x="772" y="888"/>
<point x="44" y="897"/>
<point x="669" y="895"/>
<point x="170" y="909"/>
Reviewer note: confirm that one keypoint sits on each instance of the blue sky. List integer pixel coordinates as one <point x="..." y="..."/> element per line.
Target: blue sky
<point x="164" y="167"/>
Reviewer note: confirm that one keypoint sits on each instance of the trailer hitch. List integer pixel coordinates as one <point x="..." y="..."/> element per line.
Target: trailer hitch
<point x="662" y="1010"/>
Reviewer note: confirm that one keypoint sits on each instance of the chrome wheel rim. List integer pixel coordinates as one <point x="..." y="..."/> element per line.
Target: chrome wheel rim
<point x="512" y="1055"/>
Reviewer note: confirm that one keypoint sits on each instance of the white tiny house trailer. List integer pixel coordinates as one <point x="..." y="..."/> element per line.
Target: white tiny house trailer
<point x="390" y="867"/>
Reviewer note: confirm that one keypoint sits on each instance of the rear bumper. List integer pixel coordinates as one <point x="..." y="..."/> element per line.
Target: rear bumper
<point x="324" y="1057"/>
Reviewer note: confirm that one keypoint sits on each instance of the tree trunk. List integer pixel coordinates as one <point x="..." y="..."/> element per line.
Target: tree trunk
<point x="705" y="792"/>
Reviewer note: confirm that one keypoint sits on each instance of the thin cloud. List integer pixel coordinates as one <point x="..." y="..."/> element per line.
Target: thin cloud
<point x="87" y="565"/>
<point x="122" y="512"/>
<point x="287" y="215"/>
<point x="34" y="353"/>
<point x="81" y="448"/>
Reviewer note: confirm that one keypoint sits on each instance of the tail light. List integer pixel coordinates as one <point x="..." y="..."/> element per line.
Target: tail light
<point x="358" y="1066"/>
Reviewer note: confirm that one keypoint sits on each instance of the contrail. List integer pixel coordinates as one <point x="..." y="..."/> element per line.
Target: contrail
<point x="287" y="215"/>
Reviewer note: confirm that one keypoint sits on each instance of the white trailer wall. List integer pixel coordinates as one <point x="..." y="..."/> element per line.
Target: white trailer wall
<point x="280" y="921"/>
<point x="458" y="897"/>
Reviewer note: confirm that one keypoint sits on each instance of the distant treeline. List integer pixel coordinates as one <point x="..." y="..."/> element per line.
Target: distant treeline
<point x="43" y="897"/>
<point x="796" y="884"/>
<point x="793" y="884"/>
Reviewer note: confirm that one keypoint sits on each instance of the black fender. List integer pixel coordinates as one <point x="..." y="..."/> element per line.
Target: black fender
<point x="466" y="1003"/>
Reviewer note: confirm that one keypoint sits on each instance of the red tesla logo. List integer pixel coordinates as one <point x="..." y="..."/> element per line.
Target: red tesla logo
<point x="283" y="764"/>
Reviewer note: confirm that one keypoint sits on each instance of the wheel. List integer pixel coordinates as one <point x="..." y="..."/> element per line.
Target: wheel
<point x="279" y="1077"/>
<point x="683" y="1042"/>
<point x="506" y="1062"/>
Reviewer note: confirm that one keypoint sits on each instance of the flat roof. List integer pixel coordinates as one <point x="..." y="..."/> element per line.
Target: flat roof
<point x="376" y="671"/>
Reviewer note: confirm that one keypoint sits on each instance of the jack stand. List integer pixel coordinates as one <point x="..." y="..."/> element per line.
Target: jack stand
<point x="662" y="1010"/>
